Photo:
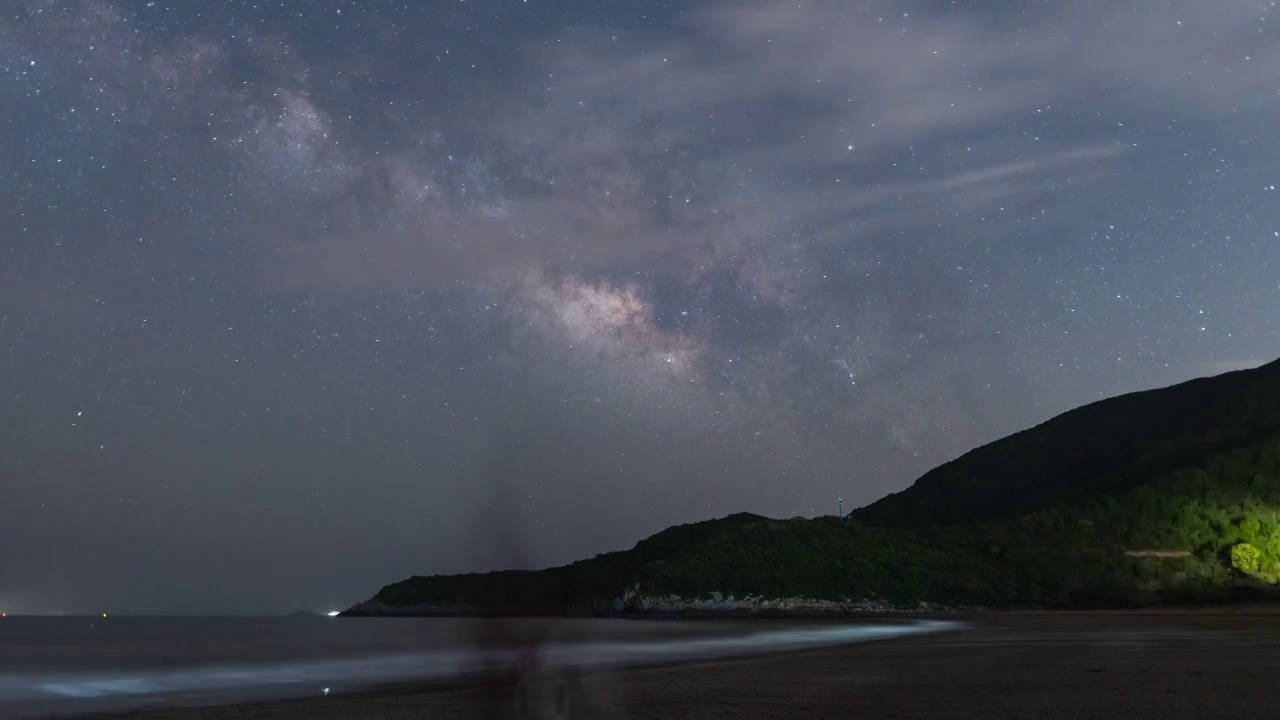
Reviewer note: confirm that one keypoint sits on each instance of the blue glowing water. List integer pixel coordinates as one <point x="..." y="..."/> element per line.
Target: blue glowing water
<point x="78" y="665"/>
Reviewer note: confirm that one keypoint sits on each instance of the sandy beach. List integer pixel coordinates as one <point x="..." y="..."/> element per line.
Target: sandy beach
<point x="1210" y="664"/>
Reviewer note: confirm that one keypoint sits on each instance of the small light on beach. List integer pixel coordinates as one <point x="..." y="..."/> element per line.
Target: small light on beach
<point x="4" y="614"/>
<point x="326" y="691"/>
<point x="104" y="614"/>
<point x="335" y="613"/>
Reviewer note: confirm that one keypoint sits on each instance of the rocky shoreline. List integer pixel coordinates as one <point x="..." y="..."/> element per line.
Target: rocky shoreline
<point x="633" y="604"/>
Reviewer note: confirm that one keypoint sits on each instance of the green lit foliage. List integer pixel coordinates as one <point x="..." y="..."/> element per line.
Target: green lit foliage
<point x="1261" y="564"/>
<point x="1244" y="557"/>
<point x="1250" y="528"/>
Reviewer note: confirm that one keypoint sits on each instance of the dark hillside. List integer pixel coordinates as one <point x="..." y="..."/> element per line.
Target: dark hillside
<point x="1097" y="448"/>
<point x="555" y="589"/>
<point x="1166" y="496"/>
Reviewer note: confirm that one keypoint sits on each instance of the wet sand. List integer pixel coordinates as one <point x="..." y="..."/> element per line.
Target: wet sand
<point x="1159" y="665"/>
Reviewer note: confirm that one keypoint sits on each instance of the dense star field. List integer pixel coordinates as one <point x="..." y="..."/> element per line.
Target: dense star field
<point x="300" y="298"/>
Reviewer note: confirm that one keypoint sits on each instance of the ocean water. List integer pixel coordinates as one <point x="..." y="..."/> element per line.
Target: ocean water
<point x="54" y="666"/>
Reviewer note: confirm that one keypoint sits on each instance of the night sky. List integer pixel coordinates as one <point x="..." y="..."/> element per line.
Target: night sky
<point x="301" y="298"/>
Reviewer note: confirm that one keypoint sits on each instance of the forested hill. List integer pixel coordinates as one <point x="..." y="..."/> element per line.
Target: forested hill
<point x="1170" y="495"/>
<point x="1096" y="449"/>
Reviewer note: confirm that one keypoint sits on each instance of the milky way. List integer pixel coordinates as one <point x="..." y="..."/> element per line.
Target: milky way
<point x="299" y="298"/>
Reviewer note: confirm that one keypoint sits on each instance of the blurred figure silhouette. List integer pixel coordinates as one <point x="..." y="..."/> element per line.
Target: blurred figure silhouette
<point x="519" y="679"/>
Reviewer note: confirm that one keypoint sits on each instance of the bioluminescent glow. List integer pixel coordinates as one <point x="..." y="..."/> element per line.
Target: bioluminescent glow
<point x="35" y="694"/>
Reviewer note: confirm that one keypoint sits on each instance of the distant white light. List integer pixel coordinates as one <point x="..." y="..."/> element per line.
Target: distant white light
<point x="335" y="613"/>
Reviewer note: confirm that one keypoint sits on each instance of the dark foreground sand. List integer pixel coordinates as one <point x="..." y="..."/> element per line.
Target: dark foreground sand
<point x="1081" y="665"/>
